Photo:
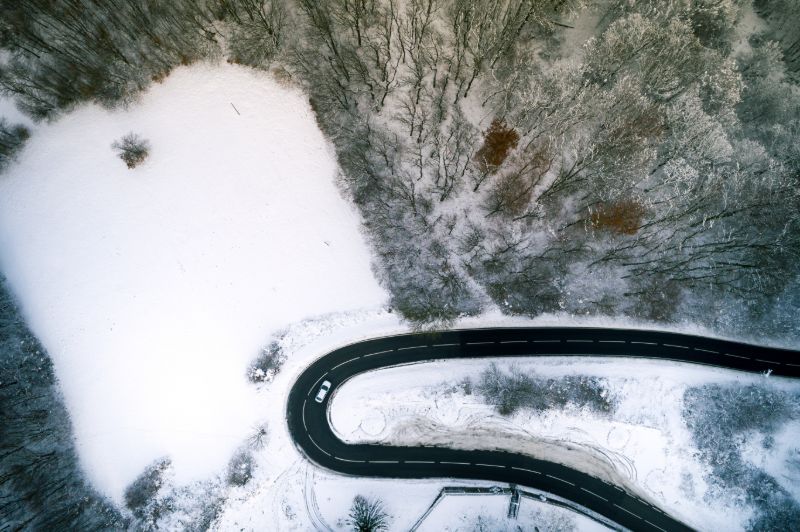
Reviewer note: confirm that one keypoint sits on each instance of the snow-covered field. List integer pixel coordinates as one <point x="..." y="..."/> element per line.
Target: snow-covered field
<point x="153" y="288"/>
<point x="644" y="444"/>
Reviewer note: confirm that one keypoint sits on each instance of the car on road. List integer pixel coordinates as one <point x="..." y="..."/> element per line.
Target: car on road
<point x="323" y="391"/>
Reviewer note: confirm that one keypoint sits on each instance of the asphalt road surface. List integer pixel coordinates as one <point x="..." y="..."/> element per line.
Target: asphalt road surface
<point x="310" y="428"/>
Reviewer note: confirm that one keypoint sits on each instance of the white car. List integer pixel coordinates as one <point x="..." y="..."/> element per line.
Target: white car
<point x="323" y="391"/>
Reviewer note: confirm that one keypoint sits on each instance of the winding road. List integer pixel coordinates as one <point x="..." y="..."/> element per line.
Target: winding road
<point x="310" y="428"/>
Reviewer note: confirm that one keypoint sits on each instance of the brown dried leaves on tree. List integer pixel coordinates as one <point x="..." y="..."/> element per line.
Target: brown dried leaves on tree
<point x="621" y="217"/>
<point x="498" y="142"/>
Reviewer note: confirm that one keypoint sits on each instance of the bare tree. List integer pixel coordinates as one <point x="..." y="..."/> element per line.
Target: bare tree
<point x="368" y="515"/>
<point x="132" y="149"/>
<point x="257" y="33"/>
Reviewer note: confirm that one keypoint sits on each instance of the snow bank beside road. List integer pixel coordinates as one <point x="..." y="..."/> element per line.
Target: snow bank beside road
<point x="153" y="288"/>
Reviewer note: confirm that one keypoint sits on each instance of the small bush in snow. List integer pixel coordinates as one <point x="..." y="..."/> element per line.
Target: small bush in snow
<point x="132" y="149"/>
<point x="549" y="519"/>
<point x="148" y="498"/>
<point x="259" y="437"/>
<point x="367" y="515"/>
<point x="12" y="139"/>
<point x="192" y="507"/>
<point x="720" y="416"/>
<point x="509" y="392"/>
<point x="240" y="468"/>
<point x="267" y="365"/>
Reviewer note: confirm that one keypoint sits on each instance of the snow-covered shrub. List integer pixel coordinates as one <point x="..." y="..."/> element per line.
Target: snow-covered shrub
<point x="240" y="468"/>
<point x="513" y="390"/>
<point x="267" y="365"/>
<point x="545" y="519"/>
<point x="259" y="437"/>
<point x="193" y="508"/>
<point x="12" y="138"/>
<point x="132" y="149"/>
<point x="720" y="417"/>
<point x="159" y="504"/>
<point x="462" y="387"/>
<point x="466" y="386"/>
<point x="776" y="509"/>
<point x="144" y="489"/>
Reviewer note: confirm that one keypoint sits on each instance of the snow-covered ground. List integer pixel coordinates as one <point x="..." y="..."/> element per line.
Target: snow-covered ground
<point x="153" y="288"/>
<point x="288" y="493"/>
<point x="644" y="444"/>
<point x="488" y="513"/>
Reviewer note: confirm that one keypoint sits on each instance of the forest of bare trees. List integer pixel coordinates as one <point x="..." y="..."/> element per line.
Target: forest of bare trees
<point x="640" y="174"/>
<point x="41" y="484"/>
